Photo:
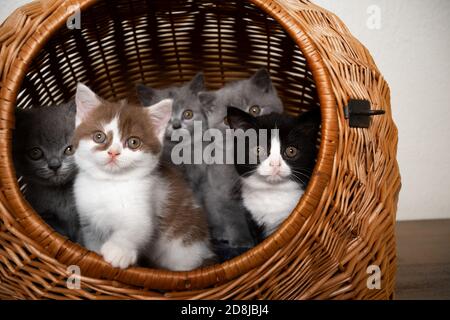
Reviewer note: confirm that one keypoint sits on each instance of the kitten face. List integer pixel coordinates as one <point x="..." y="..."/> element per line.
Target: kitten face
<point x="255" y="95"/>
<point x="186" y="106"/>
<point x="290" y="151"/>
<point x="42" y="144"/>
<point x="115" y="140"/>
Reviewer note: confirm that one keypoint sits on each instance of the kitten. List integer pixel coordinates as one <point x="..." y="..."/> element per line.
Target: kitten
<point x="272" y="188"/>
<point x="43" y="155"/>
<point x="130" y="205"/>
<point x="186" y="109"/>
<point x="231" y="230"/>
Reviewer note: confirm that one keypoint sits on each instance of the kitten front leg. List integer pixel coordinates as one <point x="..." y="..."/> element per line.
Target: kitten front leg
<point x="118" y="248"/>
<point x="122" y="248"/>
<point x="237" y="229"/>
<point x="118" y="254"/>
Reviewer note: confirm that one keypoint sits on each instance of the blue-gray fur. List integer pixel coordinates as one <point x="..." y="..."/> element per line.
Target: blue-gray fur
<point x="184" y="98"/>
<point x="49" y="191"/>
<point x="227" y="216"/>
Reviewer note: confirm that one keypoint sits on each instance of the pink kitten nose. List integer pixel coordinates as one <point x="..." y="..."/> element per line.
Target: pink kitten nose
<point x="113" y="153"/>
<point x="275" y="163"/>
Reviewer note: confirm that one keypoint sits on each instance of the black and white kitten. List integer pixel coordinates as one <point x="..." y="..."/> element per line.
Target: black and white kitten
<point x="43" y="156"/>
<point x="272" y="185"/>
<point x="232" y="232"/>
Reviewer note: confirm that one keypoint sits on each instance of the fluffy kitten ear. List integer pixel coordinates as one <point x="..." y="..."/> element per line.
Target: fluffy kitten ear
<point x="207" y="100"/>
<point x="197" y="83"/>
<point x="261" y="80"/>
<point x="86" y="101"/>
<point x="145" y="94"/>
<point x="160" y="114"/>
<point x="238" y="119"/>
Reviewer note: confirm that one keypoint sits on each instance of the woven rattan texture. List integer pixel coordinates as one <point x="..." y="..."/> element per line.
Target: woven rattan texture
<point x="344" y="222"/>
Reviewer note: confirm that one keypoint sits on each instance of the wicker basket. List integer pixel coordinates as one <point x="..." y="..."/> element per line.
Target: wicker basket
<point x="344" y="222"/>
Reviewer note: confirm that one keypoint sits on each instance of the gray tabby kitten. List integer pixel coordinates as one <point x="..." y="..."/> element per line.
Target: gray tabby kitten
<point x="231" y="227"/>
<point x="185" y="110"/>
<point x="43" y="155"/>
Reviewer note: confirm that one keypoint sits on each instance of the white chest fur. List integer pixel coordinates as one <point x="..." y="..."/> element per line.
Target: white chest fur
<point x="112" y="205"/>
<point x="270" y="204"/>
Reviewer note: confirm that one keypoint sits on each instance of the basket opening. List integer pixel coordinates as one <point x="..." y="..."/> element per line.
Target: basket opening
<point x="159" y="43"/>
<point x="162" y="42"/>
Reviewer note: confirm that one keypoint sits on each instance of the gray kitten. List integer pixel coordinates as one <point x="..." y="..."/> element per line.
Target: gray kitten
<point x="227" y="216"/>
<point x="43" y="155"/>
<point x="185" y="110"/>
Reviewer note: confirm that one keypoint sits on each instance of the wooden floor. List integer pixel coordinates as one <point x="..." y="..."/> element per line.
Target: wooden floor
<point x="423" y="260"/>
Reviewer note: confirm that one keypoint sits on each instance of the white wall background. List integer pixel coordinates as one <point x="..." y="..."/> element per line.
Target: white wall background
<point x="412" y="50"/>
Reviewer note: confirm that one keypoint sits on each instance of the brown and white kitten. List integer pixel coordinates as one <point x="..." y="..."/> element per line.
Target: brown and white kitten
<point x="130" y="205"/>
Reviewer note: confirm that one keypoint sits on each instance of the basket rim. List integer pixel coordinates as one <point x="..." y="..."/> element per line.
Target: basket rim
<point x="90" y="262"/>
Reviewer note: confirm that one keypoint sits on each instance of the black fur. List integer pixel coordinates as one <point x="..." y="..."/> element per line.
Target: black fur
<point x="299" y="132"/>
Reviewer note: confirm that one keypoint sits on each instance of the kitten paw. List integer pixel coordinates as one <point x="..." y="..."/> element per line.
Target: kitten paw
<point x="118" y="256"/>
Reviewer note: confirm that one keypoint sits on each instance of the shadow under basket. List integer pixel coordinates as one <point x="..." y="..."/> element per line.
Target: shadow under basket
<point x="342" y="227"/>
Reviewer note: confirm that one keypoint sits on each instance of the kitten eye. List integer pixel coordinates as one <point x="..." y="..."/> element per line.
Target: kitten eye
<point x="291" y="152"/>
<point x="134" y="143"/>
<point x="99" y="137"/>
<point x="225" y="121"/>
<point x="254" y="110"/>
<point x="69" y="151"/>
<point x="35" y="153"/>
<point x="188" y="114"/>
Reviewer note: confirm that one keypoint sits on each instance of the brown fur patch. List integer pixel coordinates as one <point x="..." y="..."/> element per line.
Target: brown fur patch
<point x="133" y="121"/>
<point x="182" y="218"/>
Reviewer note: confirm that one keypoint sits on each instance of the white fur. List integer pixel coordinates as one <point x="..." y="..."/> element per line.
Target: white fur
<point x="270" y="204"/>
<point x="117" y="201"/>
<point x="175" y="255"/>
<point x="119" y="215"/>
<point x="274" y="168"/>
<point x="116" y="206"/>
<point x="269" y="194"/>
